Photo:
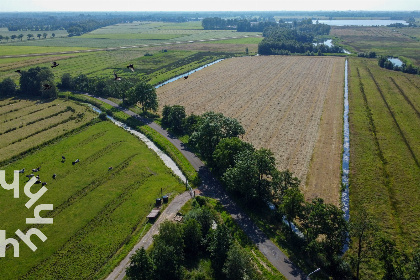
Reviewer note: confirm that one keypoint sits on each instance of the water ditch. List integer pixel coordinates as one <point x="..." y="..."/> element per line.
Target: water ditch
<point x="164" y="157"/>
<point x="187" y="74"/>
<point x="345" y="198"/>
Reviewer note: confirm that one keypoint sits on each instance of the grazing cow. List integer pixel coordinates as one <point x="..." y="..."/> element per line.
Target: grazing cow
<point x="54" y="64"/>
<point x="110" y="168"/>
<point x="37" y="176"/>
<point x="44" y="183"/>
<point x="185" y="77"/>
<point x="74" y="162"/>
<point x="36" y="169"/>
<point x="54" y="176"/>
<point x="30" y="176"/>
<point x="38" y="182"/>
<point x="22" y="170"/>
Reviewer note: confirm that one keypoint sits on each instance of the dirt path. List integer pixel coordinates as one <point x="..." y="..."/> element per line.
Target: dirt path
<point x="212" y="188"/>
<point x="146" y="241"/>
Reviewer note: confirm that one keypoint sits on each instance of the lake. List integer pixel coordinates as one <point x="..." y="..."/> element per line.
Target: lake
<point x="367" y="22"/>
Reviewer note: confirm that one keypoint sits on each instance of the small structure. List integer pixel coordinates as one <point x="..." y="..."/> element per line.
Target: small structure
<point x="153" y="214"/>
<point x="158" y="201"/>
<point x="165" y="199"/>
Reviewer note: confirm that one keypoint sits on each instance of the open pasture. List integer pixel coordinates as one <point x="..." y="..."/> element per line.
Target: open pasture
<point x="385" y="149"/>
<point x="398" y="42"/>
<point x="136" y="33"/>
<point x="279" y="100"/>
<point x="97" y="211"/>
<point x="25" y="124"/>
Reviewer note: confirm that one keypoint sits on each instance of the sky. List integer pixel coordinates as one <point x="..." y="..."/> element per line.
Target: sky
<point x="208" y="5"/>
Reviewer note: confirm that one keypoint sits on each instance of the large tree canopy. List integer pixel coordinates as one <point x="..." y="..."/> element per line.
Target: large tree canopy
<point x="212" y="128"/>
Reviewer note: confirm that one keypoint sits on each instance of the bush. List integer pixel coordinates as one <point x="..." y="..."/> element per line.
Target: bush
<point x="102" y="116"/>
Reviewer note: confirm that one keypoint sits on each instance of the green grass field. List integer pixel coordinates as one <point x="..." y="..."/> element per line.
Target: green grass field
<point x="398" y="42"/>
<point x="25" y="124"/>
<point x="385" y="149"/>
<point x="96" y="211"/>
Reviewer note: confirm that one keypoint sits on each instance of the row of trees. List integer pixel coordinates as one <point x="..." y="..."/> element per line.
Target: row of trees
<point x="35" y="82"/>
<point x="179" y="244"/>
<point x="251" y="175"/>
<point x="29" y="36"/>
<point x="131" y="91"/>
<point x="384" y="62"/>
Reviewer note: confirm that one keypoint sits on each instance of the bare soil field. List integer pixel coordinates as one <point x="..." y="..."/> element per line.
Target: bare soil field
<point x="291" y="105"/>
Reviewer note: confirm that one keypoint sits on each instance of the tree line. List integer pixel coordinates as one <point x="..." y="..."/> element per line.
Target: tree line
<point x="29" y="36"/>
<point x="251" y="176"/>
<point x="203" y="234"/>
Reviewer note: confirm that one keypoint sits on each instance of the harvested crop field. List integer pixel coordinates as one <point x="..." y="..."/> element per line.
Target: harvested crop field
<point x="291" y="105"/>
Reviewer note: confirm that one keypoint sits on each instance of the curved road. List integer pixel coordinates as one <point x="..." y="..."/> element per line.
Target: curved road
<point x="211" y="187"/>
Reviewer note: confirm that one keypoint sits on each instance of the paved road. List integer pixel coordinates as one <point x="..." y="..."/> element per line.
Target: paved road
<point x="146" y="241"/>
<point x="211" y="187"/>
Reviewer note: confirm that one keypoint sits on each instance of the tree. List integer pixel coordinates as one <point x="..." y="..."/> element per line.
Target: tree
<point x="20" y="36"/>
<point x="7" y="87"/>
<point x="238" y="264"/>
<point x="361" y="228"/>
<point x="292" y="204"/>
<point x="211" y="128"/>
<point x="7" y="38"/>
<point x="387" y="253"/>
<point x="225" y="152"/>
<point x="219" y="245"/>
<point x="141" y="266"/>
<point x="39" y="35"/>
<point x="282" y="181"/>
<point x="66" y="81"/>
<point x="192" y="237"/>
<point x="167" y="262"/>
<point x="250" y="177"/>
<point x="30" y="36"/>
<point x="173" y="117"/>
<point x="13" y="37"/>
<point x="53" y="35"/>
<point x="44" y="35"/>
<point x="32" y="81"/>
<point x="168" y="251"/>
<point x="203" y="216"/>
<point x="145" y="94"/>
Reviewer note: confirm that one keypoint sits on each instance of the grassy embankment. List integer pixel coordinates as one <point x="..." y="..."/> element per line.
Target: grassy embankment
<point x="98" y="214"/>
<point x="385" y="151"/>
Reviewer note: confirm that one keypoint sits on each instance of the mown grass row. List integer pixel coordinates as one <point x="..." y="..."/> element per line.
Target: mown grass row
<point x="97" y="211"/>
<point x="22" y="139"/>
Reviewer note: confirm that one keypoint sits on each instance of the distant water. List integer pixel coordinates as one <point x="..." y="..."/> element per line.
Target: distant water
<point x="396" y="61"/>
<point x="362" y="22"/>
